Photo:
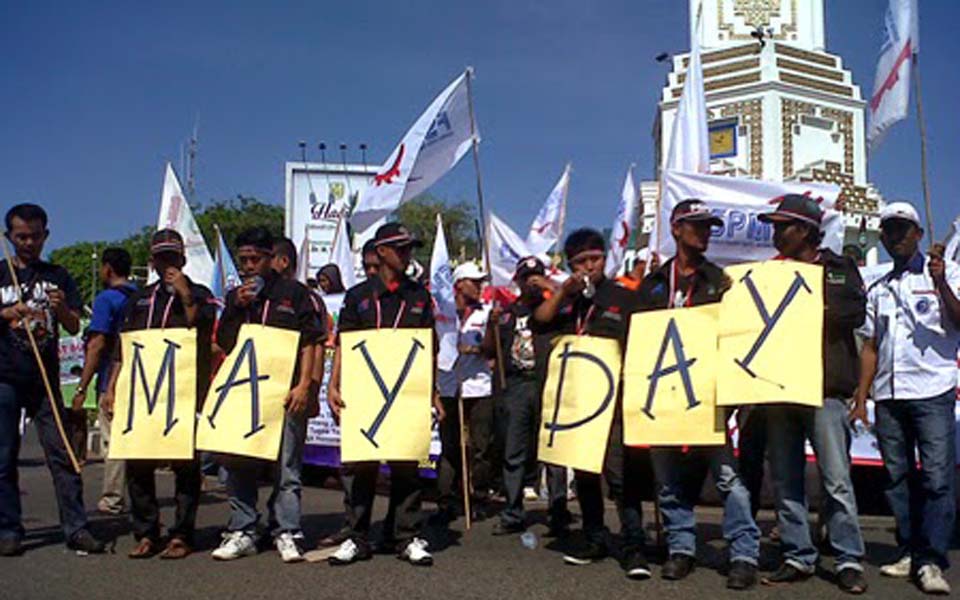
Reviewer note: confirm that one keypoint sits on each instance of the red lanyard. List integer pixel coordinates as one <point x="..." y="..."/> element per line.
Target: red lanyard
<point x="674" y="291"/>
<point x="583" y="322"/>
<point x="166" y="310"/>
<point x="396" y="322"/>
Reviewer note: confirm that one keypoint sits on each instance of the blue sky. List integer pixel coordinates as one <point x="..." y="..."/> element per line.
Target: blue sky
<point x="97" y="96"/>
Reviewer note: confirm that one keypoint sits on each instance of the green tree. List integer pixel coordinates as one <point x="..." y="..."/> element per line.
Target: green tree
<point x="459" y="226"/>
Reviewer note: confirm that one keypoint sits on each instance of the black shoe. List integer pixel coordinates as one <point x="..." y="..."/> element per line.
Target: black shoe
<point x="677" y="567"/>
<point x="585" y="553"/>
<point x="557" y="529"/>
<point x="10" y="546"/>
<point x="501" y="528"/>
<point x="83" y="542"/>
<point x="742" y="575"/>
<point x="851" y="581"/>
<point x="787" y="573"/>
<point x="634" y="564"/>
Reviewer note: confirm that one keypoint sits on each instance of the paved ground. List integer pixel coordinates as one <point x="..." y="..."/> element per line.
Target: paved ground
<point x="470" y="564"/>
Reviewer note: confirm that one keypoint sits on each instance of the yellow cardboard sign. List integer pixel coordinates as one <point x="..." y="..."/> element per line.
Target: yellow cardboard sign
<point x="669" y="379"/>
<point x="386" y="382"/>
<point x="156" y="396"/>
<point x="579" y="399"/>
<point x="243" y="413"/>
<point x="771" y="328"/>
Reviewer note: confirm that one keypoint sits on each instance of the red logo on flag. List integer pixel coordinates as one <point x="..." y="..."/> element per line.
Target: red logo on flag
<point x="393" y="171"/>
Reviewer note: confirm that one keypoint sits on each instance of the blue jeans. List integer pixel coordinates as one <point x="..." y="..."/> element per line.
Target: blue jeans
<point x="921" y="497"/>
<point x="67" y="484"/>
<point x="680" y="478"/>
<point x="828" y="429"/>
<point x="284" y="502"/>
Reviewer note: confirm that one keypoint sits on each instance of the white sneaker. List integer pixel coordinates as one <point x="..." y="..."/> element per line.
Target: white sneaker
<point x="286" y="544"/>
<point x="931" y="581"/>
<point x="416" y="553"/>
<point x="235" y="544"/>
<point x="530" y="494"/>
<point x="348" y="552"/>
<point x="901" y="568"/>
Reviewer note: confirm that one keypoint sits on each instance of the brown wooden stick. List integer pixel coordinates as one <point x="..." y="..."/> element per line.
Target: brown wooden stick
<point x="465" y="464"/>
<point x="43" y="368"/>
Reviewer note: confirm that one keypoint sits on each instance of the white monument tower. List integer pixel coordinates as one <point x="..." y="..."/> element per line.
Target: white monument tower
<point x="781" y="107"/>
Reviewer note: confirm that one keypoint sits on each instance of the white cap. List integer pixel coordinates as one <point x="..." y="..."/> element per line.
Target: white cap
<point x="900" y="210"/>
<point x="468" y="270"/>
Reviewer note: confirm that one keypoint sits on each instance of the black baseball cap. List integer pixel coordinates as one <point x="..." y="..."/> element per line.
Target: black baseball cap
<point x="795" y="207"/>
<point x="395" y="234"/>
<point x="694" y="209"/>
<point x="166" y="240"/>
<point x="527" y="266"/>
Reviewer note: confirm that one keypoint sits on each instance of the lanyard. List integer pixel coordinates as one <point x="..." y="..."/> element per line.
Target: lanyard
<point x="583" y="322"/>
<point x="166" y="309"/>
<point x="396" y="322"/>
<point x="263" y="313"/>
<point x="677" y="298"/>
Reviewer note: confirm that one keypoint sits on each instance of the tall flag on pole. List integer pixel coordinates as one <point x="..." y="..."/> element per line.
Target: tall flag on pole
<point x="506" y="250"/>
<point x="891" y="86"/>
<point x="175" y="214"/>
<point x="225" y="274"/>
<point x="547" y="227"/>
<point x="342" y="256"/>
<point x="623" y="225"/>
<point x="431" y="147"/>
<point x="445" y="308"/>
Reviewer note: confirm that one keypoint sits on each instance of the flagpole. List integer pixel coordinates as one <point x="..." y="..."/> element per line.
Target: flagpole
<point x="923" y="151"/>
<point x="563" y="215"/>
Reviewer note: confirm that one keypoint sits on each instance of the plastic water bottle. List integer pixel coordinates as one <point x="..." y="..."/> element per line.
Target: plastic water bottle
<point x="529" y="540"/>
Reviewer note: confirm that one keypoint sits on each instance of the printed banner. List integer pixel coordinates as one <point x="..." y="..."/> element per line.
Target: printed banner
<point x="669" y="379"/>
<point x="771" y="335"/>
<point x="579" y="399"/>
<point x="386" y="382"/>
<point x="243" y="412"/>
<point x="156" y="397"/>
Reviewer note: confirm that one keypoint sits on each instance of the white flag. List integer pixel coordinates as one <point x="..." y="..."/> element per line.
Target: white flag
<point x="303" y="259"/>
<point x="623" y="225"/>
<point x="891" y="85"/>
<point x="738" y="202"/>
<point x="445" y="308"/>
<point x="689" y="149"/>
<point x="953" y="242"/>
<point x="175" y="214"/>
<point x="435" y="143"/>
<point x="342" y="256"/>
<point x="506" y="250"/>
<point x="545" y="230"/>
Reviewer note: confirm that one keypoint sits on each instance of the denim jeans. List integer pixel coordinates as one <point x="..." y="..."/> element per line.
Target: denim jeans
<point x="680" y="476"/>
<point x="67" y="484"/>
<point x="284" y="502"/>
<point x="921" y="496"/>
<point x="828" y="429"/>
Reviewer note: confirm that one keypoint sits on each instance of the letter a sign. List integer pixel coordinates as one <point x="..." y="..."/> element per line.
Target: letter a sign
<point x="156" y="397"/>
<point x="669" y="379"/>
<point x="243" y="412"/>
<point x="771" y="335"/>
<point x="387" y="388"/>
<point x="579" y="398"/>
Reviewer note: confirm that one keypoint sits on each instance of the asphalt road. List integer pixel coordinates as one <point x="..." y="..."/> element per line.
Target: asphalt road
<point x="468" y="565"/>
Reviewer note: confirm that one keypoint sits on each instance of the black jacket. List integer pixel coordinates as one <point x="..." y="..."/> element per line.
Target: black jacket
<point x="844" y="310"/>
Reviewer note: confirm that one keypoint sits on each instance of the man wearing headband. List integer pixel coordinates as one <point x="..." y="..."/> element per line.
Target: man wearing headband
<point x="389" y="299"/>
<point x="796" y="236"/>
<point x="590" y="304"/>
<point x="908" y="365"/>
<point x="689" y="279"/>
<point x="268" y="298"/>
<point x="174" y="301"/>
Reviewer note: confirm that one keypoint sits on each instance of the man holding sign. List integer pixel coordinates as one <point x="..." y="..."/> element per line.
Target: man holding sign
<point x="388" y="300"/>
<point x="689" y="279"/>
<point x="268" y="299"/>
<point x="590" y="305"/>
<point x="174" y="302"/>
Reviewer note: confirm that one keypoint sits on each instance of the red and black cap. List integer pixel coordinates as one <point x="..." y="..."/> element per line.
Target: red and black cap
<point x="694" y="210"/>
<point x="795" y="207"/>
<point x="527" y="266"/>
<point x="395" y="234"/>
<point x="166" y="240"/>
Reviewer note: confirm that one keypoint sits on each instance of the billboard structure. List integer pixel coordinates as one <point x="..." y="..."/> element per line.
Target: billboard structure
<point x="318" y="195"/>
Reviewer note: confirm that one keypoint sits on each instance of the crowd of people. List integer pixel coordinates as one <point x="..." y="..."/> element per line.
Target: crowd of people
<point x="895" y="342"/>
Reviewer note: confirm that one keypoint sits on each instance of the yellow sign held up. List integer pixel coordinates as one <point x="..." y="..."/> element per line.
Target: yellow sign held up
<point x="387" y="389"/>
<point x="579" y="399"/>
<point x="243" y="412"/>
<point x="156" y="395"/>
<point x="669" y="379"/>
<point x="771" y="328"/>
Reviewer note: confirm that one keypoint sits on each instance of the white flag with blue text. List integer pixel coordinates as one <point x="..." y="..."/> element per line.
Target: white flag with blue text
<point x="546" y="228"/>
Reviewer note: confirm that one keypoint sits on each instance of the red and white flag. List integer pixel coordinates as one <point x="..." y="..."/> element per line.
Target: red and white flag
<point x="623" y="225"/>
<point x="431" y="147"/>
<point x="891" y="86"/>
<point x="175" y="214"/>
<point x="547" y="227"/>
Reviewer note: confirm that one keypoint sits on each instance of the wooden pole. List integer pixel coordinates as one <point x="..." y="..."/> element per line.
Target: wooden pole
<point x="464" y="465"/>
<point x="928" y="207"/>
<point x="43" y="369"/>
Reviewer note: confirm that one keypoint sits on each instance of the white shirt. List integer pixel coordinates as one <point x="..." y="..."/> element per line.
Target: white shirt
<point x="916" y="342"/>
<point x="473" y="370"/>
